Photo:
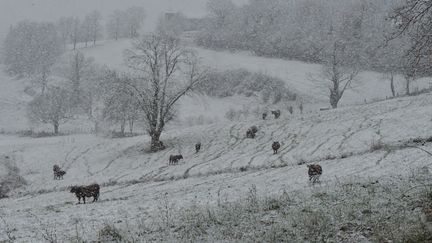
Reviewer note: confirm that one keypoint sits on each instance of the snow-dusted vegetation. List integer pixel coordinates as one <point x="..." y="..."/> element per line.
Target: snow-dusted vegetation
<point x="258" y="121"/>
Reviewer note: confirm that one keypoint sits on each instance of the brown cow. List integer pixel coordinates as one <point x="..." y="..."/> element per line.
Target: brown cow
<point x="86" y="191"/>
<point x="276" y="113"/>
<point x="275" y="147"/>
<point x="197" y="147"/>
<point x="314" y="172"/>
<point x="173" y="159"/>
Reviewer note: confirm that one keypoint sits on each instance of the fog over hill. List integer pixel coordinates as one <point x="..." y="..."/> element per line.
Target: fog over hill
<point x="13" y="11"/>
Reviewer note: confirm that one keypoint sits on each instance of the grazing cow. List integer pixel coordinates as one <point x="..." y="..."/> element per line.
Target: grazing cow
<point x="59" y="174"/>
<point x="86" y="191"/>
<point x="251" y="132"/>
<point x="56" y="169"/>
<point x="314" y="172"/>
<point x="276" y="113"/>
<point x="173" y="159"/>
<point x="290" y="110"/>
<point x="197" y="147"/>
<point x="264" y="116"/>
<point x="275" y="147"/>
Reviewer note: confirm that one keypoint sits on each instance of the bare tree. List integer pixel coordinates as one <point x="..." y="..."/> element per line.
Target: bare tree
<point x="413" y="19"/>
<point x="120" y="104"/>
<point x="78" y="71"/>
<point x="64" y="28"/>
<point x="337" y="73"/>
<point x="91" y="28"/>
<point x="125" y="24"/>
<point x="31" y="49"/>
<point x="168" y="72"/>
<point x="409" y="72"/>
<point x="134" y="19"/>
<point x="95" y="26"/>
<point x="86" y="30"/>
<point x="52" y="107"/>
<point x="115" y="24"/>
<point x="75" y="33"/>
<point x="220" y="10"/>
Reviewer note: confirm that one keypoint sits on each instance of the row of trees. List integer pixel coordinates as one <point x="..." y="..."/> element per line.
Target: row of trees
<point x="162" y="71"/>
<point x="72" y="85"/>
<point x="73" y="30"/>
<point x="120" y="24"/>
<point x="125" y="24"/>
<point x="31" y="49"/>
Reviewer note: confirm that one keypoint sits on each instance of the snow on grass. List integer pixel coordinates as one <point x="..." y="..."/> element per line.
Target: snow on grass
<point x="299" y="76"/>
<point x="134" y="181"/>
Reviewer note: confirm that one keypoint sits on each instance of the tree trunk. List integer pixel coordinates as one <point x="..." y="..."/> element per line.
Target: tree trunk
<point x="131" y="125"/>
<point x="96" y="127"/>
<point x="44" y="79"/>
<point x="407" y="87"/>
<point x="56" y="128"/>
<point x="334" y="99"/>
<point x="43" y="88"/>
<point x="122" y="127"/>
<point x="392" y="87"/>
<point x="156" y="144"/>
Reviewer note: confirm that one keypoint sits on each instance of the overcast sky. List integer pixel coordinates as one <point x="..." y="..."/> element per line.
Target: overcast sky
<point x="12" y="11"/>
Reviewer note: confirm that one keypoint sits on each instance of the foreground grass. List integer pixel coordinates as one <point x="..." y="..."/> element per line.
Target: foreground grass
<point x="394" y="210"/>
<point x="384" y="210"/>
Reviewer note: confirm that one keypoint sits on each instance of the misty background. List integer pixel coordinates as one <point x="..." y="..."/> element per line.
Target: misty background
<point x="13" y="11"/>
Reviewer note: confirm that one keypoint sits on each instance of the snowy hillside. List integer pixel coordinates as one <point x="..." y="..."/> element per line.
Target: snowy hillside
<point x="369" y="86"/>
<point x="299" y="76"/>
<point x="356" y="143"/>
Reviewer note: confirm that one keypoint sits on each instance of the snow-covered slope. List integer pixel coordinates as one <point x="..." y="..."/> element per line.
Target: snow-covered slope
<point x="134" y="181"/>
<point x="303" y="78"/>
<point x="368" y="87"/>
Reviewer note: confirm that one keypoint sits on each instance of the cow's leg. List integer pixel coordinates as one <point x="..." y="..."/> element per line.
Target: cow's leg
<point x="84" y="199"/>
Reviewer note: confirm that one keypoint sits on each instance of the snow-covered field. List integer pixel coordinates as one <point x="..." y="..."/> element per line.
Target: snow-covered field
<point x="355" y="142"/>
<point x="134" y="181"/>
<point x="302" y="78"/>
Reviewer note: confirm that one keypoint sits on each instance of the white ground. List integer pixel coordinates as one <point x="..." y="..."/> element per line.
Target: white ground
<point x="134" y="181"/>
<point x="299" y="76"/>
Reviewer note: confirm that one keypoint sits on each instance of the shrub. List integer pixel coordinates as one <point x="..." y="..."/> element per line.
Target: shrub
<point x="243" y="82"/>
<point x="109" y="233"/>
<point x="376" y="145"/>
<point x="11" y="179"/>
<point x="33" y="134"/>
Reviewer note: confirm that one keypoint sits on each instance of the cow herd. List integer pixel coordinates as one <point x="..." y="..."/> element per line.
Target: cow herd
<point x="81" y="192"/>
<point x="314" y="170"/>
